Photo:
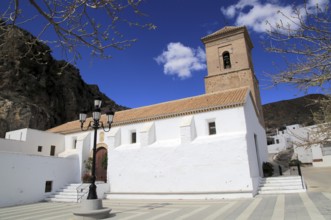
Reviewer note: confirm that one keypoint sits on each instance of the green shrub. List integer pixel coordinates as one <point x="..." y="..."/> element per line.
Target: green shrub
<point x="295" y="162"/>
<point x="87" y="178"/>
<point x="268" y="169"/>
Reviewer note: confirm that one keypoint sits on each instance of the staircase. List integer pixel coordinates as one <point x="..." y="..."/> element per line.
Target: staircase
<point x="282" y="184"/>
<point x="69" y="193"/>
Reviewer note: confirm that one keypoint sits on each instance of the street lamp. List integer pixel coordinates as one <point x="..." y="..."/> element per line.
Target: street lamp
<point x="95" y="124"/>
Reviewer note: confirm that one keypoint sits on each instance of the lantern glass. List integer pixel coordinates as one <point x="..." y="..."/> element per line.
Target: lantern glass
<point x="82" y="117"/>
<point x="96" y="114"/>
<point x="110" y="117"/>
<point x="97" y="102"/>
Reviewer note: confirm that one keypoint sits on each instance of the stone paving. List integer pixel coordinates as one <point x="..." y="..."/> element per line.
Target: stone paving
<point x="310" y="205"/>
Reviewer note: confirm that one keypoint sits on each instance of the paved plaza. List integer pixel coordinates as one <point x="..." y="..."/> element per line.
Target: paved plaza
<point x="310" y="205"/>
<point x="314" y="204"/>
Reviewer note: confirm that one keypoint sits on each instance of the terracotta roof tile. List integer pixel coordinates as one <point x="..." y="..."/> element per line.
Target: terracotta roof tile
<point x="192" y="105"/>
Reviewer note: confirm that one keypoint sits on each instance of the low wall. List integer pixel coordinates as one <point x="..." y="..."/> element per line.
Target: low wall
<point x="325" y="162"/>
<point x="23" y="177"/>
<point x="276" y="148"/>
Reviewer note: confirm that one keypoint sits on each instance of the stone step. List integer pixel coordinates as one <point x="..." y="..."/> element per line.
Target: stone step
<point x="276" y="185"/>
<point x="59" y="196"/>
<point x="281" y="191"/>
<point x="69" y="193"/>
<point x="61" y="200"/>
<point x="266" y="188"/>
<point x="281" y="184"/>
<point x="281" y="179"/>
<point x="71" y="190"/>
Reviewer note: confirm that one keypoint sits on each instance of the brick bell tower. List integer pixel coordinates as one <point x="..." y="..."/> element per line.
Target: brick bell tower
<point x="229" y="63"/>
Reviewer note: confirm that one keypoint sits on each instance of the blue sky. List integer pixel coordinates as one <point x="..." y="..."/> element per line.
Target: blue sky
<point x="147" y="73"/>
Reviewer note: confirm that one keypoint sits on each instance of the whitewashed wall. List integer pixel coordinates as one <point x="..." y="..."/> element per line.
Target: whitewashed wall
<point x="27" y="141"/>
<point x="256" y="150"/>
<point x="23" y="176"/>
<point x="304" y="154"/>
<point x="215" y="166"/>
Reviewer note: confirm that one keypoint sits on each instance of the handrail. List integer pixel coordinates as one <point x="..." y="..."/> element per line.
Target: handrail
<point x="80" y="189"/>
<point x="300" y="174"/>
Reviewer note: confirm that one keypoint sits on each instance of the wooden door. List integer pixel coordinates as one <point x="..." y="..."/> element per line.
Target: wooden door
<point x="101" y="164"/>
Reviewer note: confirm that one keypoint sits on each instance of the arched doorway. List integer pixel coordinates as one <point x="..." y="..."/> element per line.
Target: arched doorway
<point x="101" y="164"/>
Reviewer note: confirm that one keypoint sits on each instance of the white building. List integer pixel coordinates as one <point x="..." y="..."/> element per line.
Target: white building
<point x="205" y="147"/>
<point x="283" y="139"/>
<point x="305" y="142"/>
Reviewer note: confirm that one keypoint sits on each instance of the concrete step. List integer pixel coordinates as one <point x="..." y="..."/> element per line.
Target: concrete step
<point x="61" y="200"/>
<point x="281" y="178"/>
<point x="281" y="184"/>
<point x="268" y="188"/>
<point x="276" y="185"/>
<point x="69" y="193"/>
<point x="281" y="191"/>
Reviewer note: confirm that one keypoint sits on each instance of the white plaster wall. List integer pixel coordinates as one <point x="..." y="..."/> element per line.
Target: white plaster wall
<point x="216" y="163"/>
<point x="81" y="149"/>
<point x="187" y="129"/>
<point x="208" y="164"/>
<point x="23" y="176"/>
<point x="15" y="146"/>
<point x="168" y="129"/>
<point x="19" y="135"/>
<point x="31" y="140"/>
<point x="304" y="154"/>
<point x="228" y="121"/>
<point x="325" y="163"/>
<point x="276" y="148"/>
<point x="86" y="151"/>
<point x="316" y="152"/>
<point x="256" y="154"/>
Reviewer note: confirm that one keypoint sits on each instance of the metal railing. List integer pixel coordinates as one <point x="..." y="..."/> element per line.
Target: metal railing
<point x="81" y="192"/>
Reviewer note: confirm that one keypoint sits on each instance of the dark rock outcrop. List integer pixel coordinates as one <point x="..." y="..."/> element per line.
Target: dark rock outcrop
<point x="293" y="111"/>
<point x="37" y="91"/>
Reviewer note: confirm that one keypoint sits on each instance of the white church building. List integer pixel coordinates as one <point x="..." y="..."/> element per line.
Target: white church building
<point x="210" y="146"/>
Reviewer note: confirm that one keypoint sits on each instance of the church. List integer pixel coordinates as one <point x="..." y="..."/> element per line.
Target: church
<point x="210" y="146"/>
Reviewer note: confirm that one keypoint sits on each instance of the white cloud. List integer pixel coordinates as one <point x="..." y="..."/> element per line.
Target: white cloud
<point x="181" y="61"/>
<point x="320" y="3"/>
<point x="255" y="15"/>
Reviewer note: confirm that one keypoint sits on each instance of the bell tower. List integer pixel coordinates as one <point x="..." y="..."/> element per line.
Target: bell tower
<point x="229" y="63"/>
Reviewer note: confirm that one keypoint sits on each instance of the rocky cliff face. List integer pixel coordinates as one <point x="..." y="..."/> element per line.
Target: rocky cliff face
<point x="293" y="111"/>
<point x="37" y="91"/>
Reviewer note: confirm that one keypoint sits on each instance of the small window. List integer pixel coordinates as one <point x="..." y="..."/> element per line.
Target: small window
<point x="212" y="128"/>
<point x="74" y="143"/>
<point x="48" y="186"/>
<point x="277" y="141"/>
<point x="40" y="148"/>
<point x="52" y="153"/>
<point x="226" y="60"/>
<point x="270" y="141"/>
<point x="133" y="137"/>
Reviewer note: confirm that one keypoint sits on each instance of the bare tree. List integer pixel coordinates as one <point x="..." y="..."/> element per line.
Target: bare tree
<point x="304" y="40"/>
<point x="95" y="24"/>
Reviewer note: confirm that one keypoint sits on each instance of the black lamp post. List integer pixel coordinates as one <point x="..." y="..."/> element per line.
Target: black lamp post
<point x="95" y="124"/>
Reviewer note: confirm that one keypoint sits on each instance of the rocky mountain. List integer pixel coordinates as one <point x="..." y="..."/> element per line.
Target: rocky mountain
<point x="37" y="91"/>
<point x="293" y="111"/>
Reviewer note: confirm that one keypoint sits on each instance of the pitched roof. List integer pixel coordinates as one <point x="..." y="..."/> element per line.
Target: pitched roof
<point x="203" y="103"/>
<point x="224" y="30"/>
